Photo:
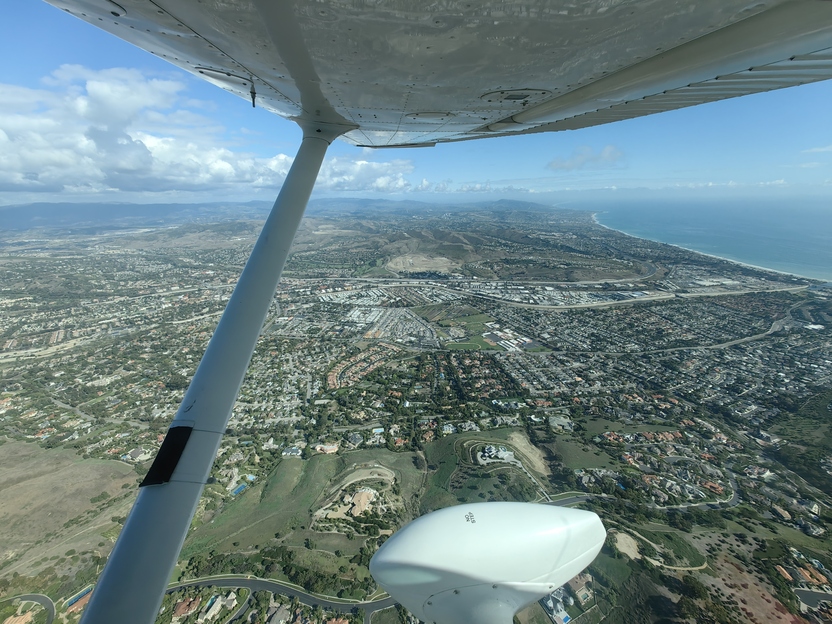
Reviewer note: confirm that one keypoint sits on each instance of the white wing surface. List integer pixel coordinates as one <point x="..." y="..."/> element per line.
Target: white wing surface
<point x="413" y="73"/>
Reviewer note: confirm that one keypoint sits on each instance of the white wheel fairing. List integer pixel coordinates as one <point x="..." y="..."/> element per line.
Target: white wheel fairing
<point x="483" y="562"/>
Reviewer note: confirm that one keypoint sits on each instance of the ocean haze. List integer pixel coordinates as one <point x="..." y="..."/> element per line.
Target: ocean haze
<point x="793" y="237"/>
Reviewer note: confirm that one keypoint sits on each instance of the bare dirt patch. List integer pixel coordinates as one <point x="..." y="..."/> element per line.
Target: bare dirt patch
<point x="421" y="262"/>
<point x="43" y="489"/>
<point x="627" y="545"/>
<point x="531" y="455"/>
<point x="20" y="619"/>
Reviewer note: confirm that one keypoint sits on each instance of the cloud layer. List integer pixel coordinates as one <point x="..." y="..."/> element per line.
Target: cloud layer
<point x="816" y="150"/>
<point x="86" y="134"/>
<point x="89" y="132"/>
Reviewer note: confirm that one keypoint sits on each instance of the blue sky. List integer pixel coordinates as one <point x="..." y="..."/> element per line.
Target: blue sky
<point x="171" y="137"/>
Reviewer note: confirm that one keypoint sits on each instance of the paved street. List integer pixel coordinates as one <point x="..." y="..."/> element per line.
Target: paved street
<point x="44" y="601"/>
<point x="255" y="584"/>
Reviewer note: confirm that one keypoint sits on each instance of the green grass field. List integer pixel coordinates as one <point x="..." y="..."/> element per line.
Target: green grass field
<point x="796" y="538"/>
<point x="574" y="455"/>
<point x="681" y="548"/>
<point x="482" y="484"/>
<point x="39" y="518"/>
<point x="533" y="614"/>
<point x="447" y="315"/>
<point x="452" y="479"/>
<point x="774" y="550"/>
<point x="811" y="426"/>
<point x="494" y="435"/>
<point x="374" y="271"/>
<point x="402" y="464"/>
<point x="463" y="346"/>
<point x="386" y="616"/>
<point x="285" y="500"/>
<point x="596" y="426"/>
<point x="616" y="571"/>
<point x="483" y="344"/>
<point x="325" y="562"/>
<point x="474" y="324"/>
<point x="442" y="462"/>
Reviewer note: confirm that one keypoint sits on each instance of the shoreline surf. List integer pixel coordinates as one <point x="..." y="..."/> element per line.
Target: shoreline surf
<point x="597" y="221"/>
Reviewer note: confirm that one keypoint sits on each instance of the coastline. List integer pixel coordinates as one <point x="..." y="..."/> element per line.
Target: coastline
<point x="596" y="221"/>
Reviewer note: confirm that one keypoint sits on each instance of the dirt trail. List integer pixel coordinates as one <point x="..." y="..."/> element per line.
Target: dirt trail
<point x="628" y="545"/>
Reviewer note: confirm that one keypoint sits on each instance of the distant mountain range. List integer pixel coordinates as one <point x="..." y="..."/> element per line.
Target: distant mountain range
<point x="106" y="216"/>
<point x="116" y="215"/>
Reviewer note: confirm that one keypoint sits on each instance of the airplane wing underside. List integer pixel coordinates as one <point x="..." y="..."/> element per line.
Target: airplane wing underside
<point x="410" y="73"/>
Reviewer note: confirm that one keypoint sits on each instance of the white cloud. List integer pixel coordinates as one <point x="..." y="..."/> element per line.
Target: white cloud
<point x="475" y="188"/>
<point x="704" y="184"/>
<point x="816" y="150"/>
<point x="119" y="130"/>
<point x="344" y="174"/>
<point x="587" y="158"/>
<point x="487" y="187"/>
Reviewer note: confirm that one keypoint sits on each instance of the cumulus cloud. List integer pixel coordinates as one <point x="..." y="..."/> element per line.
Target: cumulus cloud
<point x="119" y="130"/>
<point x="344" y="174"/>
<point x="487" y="187"/>
<point x="112" y="97"/>
<point x="585" y="157"/>
<point x="476" y="188"/>
<point x="728" y="184"/>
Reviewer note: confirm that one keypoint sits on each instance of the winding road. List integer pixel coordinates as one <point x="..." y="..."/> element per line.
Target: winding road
<point x="257" y="584"/>
<point x="42" y="600"/>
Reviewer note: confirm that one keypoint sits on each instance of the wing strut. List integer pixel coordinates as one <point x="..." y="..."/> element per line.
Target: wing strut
<point x="133" y="582"/>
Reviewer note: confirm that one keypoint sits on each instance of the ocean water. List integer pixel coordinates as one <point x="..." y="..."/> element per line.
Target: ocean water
<point x="792" y="237"/>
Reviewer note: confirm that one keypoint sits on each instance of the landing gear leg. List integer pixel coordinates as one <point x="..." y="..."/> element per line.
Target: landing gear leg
<point x="133" y="582"/>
